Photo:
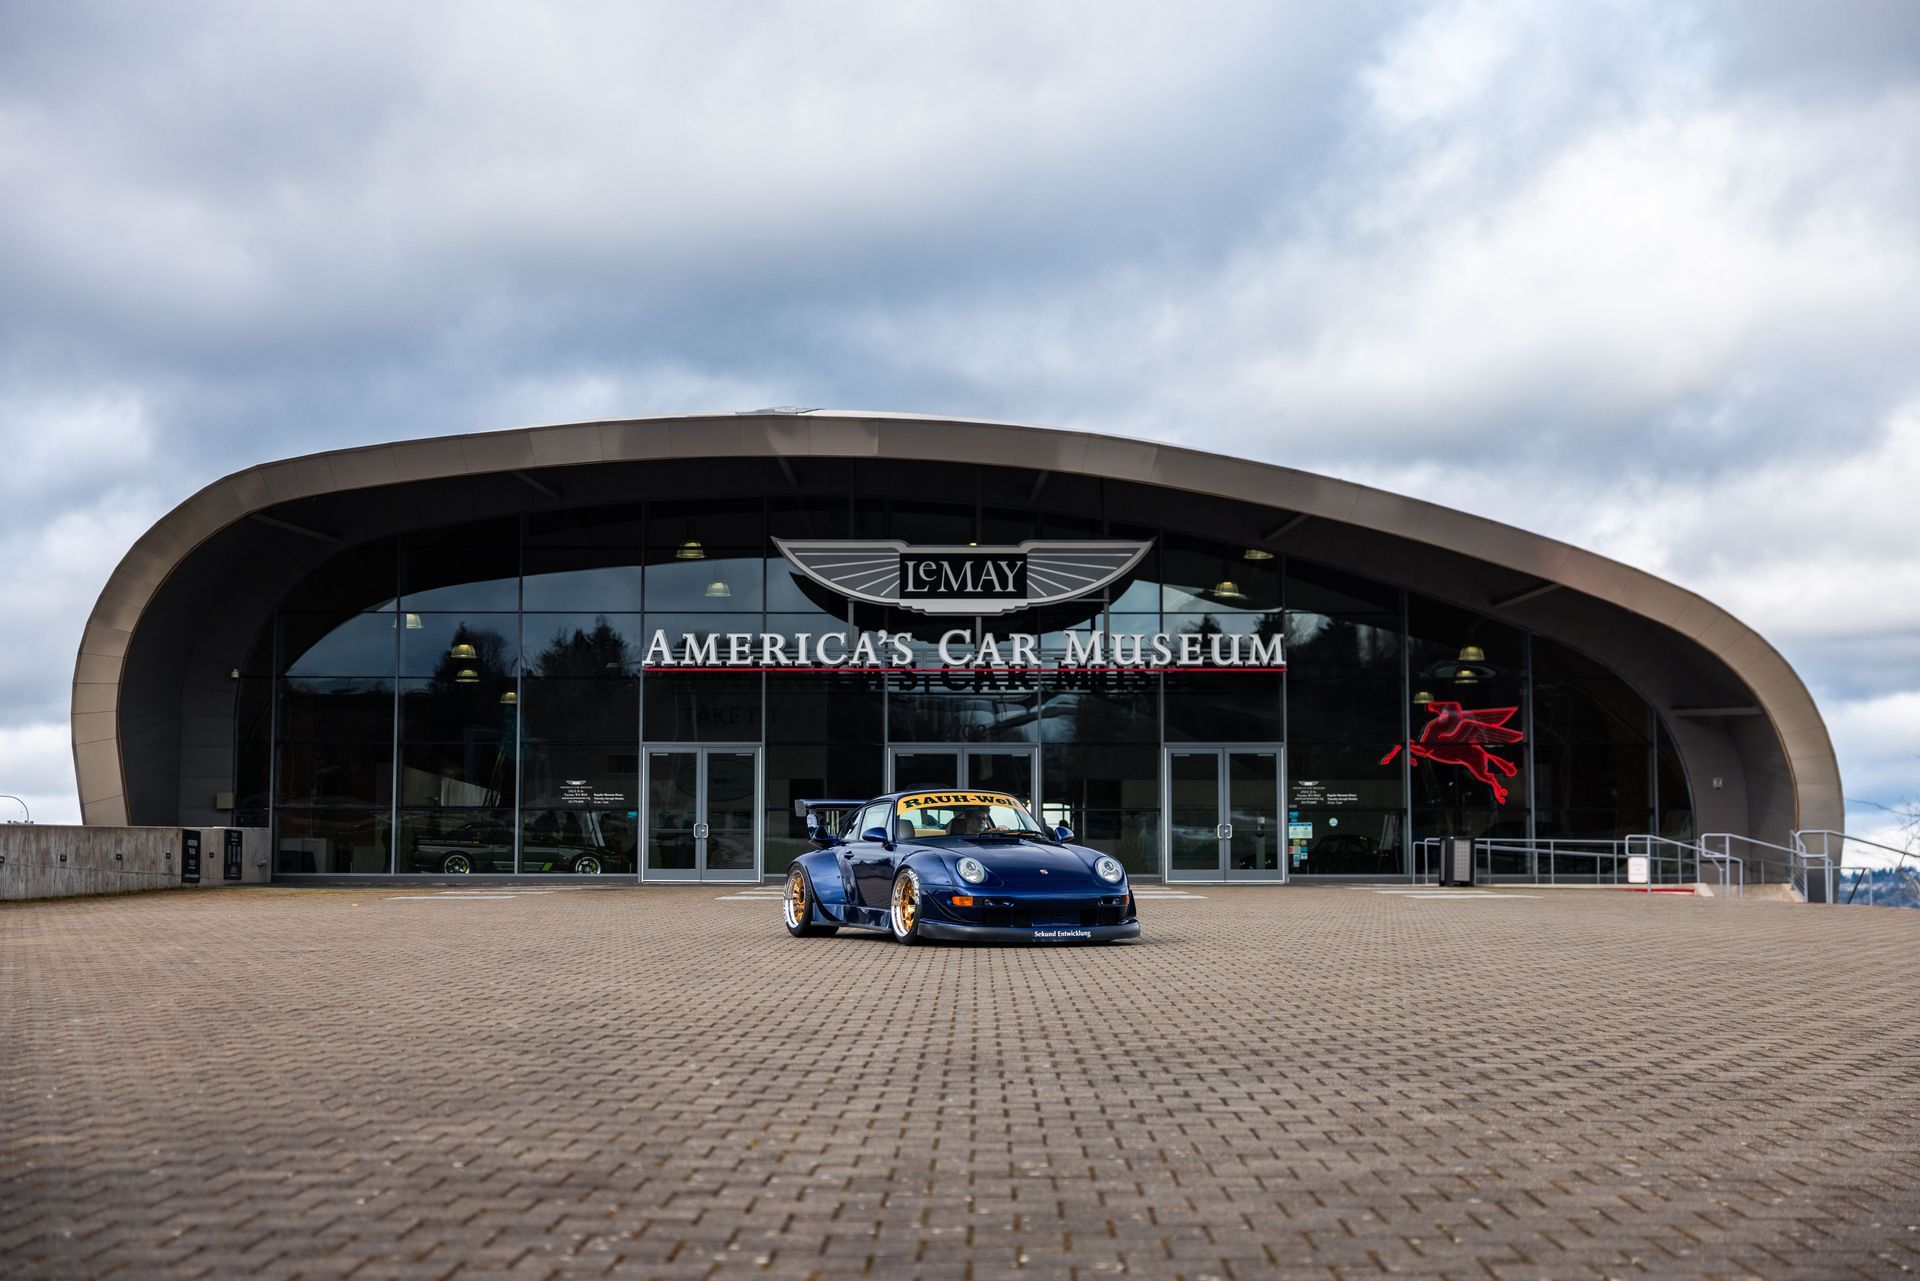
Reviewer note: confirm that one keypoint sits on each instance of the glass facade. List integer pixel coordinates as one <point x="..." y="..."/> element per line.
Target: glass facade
<point x="475" y="699"/>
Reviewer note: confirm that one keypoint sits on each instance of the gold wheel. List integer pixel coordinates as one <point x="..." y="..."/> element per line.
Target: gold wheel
<point x="906" y="905"/>
<point x="796" y="906"/>
<point x="798" y="909"/>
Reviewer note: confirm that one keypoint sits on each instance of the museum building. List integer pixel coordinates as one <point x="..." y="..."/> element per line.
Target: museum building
<point x="628" y="647"/>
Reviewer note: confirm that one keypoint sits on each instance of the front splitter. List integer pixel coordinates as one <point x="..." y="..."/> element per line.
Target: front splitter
<point x="955" y="933"/>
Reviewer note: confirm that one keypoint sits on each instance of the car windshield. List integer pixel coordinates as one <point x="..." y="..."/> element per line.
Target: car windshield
<point x="969" y="816"/>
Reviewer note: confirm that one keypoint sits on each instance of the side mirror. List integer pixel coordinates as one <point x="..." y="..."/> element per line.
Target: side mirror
<point x="1063" y="833"/>
<point x="877" y="834"/>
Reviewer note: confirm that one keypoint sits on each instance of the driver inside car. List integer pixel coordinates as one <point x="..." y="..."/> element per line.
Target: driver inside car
<point x="968" y="822"/>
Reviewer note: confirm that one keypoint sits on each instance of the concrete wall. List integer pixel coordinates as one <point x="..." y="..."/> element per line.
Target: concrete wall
<point x="61" y="862"/>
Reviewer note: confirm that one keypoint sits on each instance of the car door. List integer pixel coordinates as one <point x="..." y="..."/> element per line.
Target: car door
<point x="849" y="849"/>
<point x="872" y="860"/>
<point x="853" y="850"/>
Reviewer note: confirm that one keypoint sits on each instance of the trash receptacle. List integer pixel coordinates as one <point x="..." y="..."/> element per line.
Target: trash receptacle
<point x="1457" y="860"/>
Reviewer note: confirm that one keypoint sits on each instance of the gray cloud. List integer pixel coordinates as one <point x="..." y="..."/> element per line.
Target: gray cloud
<point x="1642" y="276"/>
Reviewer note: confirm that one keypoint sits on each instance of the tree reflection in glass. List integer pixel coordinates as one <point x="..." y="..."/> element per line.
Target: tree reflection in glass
<point x="597" y="653"/>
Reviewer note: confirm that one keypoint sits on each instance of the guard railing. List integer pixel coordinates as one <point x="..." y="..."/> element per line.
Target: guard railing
<point x="1827" y="847"/>
<point x="1761" y="861"/>
<point x="1814" y="864"/>
<point x="1573" y="861"/>
<point x="1687" y="859"/>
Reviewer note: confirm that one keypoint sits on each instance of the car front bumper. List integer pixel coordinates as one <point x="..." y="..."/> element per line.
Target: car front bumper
<point x="956" y="932"/>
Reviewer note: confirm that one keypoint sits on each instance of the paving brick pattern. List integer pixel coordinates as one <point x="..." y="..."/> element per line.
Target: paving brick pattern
<point x="1332" y="1083"/>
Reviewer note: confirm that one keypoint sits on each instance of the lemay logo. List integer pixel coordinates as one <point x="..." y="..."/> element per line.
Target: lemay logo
<point x="962" y="580"/>
<point x="971" y="582"/>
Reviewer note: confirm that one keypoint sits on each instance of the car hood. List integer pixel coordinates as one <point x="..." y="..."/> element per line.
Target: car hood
<point x="1030" y="865"/>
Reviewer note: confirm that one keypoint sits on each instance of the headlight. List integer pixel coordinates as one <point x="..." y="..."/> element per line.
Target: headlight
<point x="1108" y="869"/>
<point x="972" y="871"/>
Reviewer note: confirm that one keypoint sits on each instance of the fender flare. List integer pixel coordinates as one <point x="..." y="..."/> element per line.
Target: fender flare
<point x="829" y="887"/>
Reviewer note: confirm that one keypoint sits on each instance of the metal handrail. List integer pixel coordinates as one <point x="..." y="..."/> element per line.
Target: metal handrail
<point x="1555" y="849"/>
<point x="1835" y="866"/>
<point x="1798" y="861"/>
<point x="1428" y="847"/>
<point x="1617" y="851"/>
<point x="1669" y="859"/>
<point x="1827" y="833"/>
<point x="1691" y="850"/>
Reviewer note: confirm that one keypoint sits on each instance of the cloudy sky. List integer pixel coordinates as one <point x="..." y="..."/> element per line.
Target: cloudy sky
<point x="1642" y="276"/>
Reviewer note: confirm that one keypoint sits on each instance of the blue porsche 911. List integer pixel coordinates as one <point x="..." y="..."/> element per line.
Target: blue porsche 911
<point x="958" y="865"/>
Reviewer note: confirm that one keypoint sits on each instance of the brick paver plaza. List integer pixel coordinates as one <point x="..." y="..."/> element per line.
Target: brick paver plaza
<point x="1286" y="1081"/>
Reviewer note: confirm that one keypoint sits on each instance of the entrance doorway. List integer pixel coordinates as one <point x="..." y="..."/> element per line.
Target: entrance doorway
<point x="703" y="814"/>
<point x="1223" y="813"/>
<point x="1010" y="768"/>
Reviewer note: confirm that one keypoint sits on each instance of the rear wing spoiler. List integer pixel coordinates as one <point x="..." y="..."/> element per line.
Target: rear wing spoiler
<point x="815" y="812"/>
<point x="803" y="808"/>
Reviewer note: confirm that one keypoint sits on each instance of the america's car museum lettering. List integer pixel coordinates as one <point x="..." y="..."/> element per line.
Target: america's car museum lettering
<point x="894" y="651"/>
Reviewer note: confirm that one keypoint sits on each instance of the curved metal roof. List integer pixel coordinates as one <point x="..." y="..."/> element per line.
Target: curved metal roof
<point x="1778" y="691"/>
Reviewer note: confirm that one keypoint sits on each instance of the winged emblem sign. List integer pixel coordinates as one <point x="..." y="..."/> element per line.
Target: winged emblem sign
<point x="1461" y="736"/>
<point x="953" y="579"/>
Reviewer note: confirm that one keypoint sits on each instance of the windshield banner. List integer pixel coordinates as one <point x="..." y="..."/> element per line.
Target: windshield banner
<point x="941" y="800"/>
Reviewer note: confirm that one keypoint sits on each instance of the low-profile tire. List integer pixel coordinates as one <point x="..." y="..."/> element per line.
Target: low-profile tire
<point x="587" y="865"/>
<point x="904" y="907"/>
<point x="456" y="865"/>
<point x="797" y="907"/>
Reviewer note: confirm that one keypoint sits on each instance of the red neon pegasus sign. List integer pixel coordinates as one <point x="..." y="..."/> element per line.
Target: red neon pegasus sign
<point x="1461" y="736"/>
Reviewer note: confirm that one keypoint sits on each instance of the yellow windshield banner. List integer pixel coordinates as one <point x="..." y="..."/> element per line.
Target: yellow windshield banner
<point x="939" y="800"/>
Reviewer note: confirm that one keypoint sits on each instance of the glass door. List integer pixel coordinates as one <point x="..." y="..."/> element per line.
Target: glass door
<point x="703" y="814"/>
<point x="1011" y="768"/>
<point x="1223" y="814"/>
<point x="1256" y="843"/>
<point x="1194" y="822"/>
<point x="673" y="815"/>
<point x="732" y="844"/>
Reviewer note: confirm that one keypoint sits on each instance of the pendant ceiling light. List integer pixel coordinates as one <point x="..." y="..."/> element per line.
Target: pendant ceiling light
<point x="718" y="589"/>
<point x="466" y="676"/>
<point x="1226" y="589"/>
<point x="509" y="698"/>
<point x="1470" y="668"/>
<point x="464" y="651"/>
<point x="1257" y="553"/>
<point x="690" y="550"/>
<point x="1422" y="698"/>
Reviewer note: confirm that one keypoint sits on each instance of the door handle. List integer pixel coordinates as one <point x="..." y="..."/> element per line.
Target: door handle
<point x="1225" y="832"/>
<point x="700" y="831"/>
